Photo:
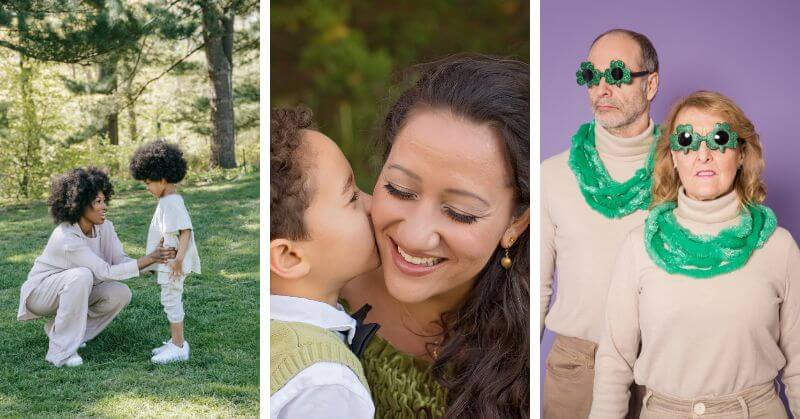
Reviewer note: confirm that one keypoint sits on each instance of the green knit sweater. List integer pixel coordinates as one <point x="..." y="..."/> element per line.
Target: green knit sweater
<point x="295" y="346"/>
<point x="402" y="385"/>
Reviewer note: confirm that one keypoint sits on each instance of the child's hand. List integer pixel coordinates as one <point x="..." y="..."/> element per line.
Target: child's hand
<point x="177" y="269"/>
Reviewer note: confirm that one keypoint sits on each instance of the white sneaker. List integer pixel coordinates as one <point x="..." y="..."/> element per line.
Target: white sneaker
<point x="73" y="361"/>
<point x="172" y="353"/>
<point x="82" y="345"/>
<point x="161" y="348"/>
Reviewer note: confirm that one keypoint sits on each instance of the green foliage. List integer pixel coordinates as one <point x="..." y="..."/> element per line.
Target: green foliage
<point x="221" y="378"/>
<point x="154" y="88"/>
<point x="345" y="60"/>
<point x="69" y="32"/>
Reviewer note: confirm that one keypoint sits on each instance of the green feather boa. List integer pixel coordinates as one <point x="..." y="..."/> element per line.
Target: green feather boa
<point x="676" y="250"/>
<point x="605" y="195"/>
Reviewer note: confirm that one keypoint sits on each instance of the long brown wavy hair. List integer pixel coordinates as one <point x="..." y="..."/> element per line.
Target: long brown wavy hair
<point x="748" y="183"/>
<point x="483" y="360"/>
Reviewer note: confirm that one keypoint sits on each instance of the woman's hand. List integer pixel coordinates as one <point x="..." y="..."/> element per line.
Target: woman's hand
<point x="162" y="254"/>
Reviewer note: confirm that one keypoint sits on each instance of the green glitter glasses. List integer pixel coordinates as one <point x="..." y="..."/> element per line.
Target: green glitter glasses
<point x="615" y="74"/>
<point x="721" y="137"/>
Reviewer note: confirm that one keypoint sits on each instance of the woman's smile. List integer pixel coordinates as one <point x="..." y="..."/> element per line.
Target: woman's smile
<point x="413" y="265"/>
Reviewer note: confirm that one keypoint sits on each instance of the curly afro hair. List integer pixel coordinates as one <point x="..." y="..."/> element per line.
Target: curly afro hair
<point x="290" y="194"/>
<point x="158" y="160"/>
<point x="72" y="192"/>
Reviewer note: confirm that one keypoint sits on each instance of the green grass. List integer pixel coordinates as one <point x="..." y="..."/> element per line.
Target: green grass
<point x="117" y="378"/>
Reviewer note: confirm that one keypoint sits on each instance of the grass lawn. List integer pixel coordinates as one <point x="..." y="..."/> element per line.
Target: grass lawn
<point x="117" y="378"/>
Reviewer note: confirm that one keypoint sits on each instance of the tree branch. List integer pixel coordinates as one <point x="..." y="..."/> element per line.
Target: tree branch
<point x="163" y="73"/>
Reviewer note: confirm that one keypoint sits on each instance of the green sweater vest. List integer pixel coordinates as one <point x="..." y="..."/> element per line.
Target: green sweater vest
<point x="295" y="346"/>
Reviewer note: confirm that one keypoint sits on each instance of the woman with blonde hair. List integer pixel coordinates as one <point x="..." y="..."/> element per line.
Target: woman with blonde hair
<point x="704" y="305"/>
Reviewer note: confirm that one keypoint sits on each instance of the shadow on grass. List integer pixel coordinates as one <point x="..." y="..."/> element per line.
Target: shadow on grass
<point x="117" y="379"/>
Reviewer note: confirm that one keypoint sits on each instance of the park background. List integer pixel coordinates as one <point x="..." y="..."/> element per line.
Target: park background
<point x="743" y="49"/>
<point x="347" y="60"/>
<point x="85" y="83"/>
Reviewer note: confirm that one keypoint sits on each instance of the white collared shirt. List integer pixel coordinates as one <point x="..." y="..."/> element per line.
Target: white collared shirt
<point x="325" y="389"/>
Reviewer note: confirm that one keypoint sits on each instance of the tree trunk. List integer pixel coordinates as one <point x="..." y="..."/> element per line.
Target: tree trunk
<point x="30" y="159"/>
<point x="112" y="128"/>
<point x="132" y="128"/>
<point x="130" y="100"/>
<point x="107" y="80"/>
<point x="218" y="38"/>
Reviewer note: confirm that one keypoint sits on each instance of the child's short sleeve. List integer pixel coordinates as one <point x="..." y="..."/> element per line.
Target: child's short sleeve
<point x="176" y="217"/>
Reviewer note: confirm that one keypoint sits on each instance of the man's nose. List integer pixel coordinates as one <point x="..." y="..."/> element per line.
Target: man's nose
<point x="604" y="89"/>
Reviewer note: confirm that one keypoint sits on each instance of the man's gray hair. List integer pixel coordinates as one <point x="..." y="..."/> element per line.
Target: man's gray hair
<point x="649" y="60"/>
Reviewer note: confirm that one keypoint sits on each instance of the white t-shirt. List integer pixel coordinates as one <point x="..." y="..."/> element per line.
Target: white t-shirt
<point x="169" y="219"/>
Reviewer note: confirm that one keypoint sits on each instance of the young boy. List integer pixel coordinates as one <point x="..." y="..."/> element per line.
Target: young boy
<point x="320" y="238"/>
<point x="160" y="165"/>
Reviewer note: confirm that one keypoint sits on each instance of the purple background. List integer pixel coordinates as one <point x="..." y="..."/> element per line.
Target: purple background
<point x="747" y="50"/>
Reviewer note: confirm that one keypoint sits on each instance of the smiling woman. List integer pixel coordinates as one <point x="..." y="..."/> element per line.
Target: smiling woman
<point x="76" y="276"/>
<point x="450" y="210"/>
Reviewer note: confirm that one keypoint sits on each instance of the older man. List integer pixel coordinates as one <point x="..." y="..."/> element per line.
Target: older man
<point x="592" y="195"/>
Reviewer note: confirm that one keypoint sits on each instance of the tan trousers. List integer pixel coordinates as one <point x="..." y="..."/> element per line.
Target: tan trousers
<point x="759" y="402"/>
<point x="569" y="381"/>
<point x="82" y="309"/>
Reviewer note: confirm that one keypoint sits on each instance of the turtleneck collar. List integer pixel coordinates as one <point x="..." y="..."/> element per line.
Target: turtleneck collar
<point x="725" y="208"/>
<point x="635" y="147"/>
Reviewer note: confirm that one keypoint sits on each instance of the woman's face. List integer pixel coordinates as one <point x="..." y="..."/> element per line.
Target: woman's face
<point x="95" y="213"/>
<point x="705" y="174"/>
<point x="441" y="205"/>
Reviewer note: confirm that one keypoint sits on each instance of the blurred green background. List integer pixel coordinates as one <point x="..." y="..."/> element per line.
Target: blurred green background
<point x="346" y="60"/>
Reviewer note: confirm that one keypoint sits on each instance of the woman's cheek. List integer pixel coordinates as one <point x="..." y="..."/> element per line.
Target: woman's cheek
<point x="383" y="210"/>
<point x="731" y="163"/>
<point x="469" y="242"/>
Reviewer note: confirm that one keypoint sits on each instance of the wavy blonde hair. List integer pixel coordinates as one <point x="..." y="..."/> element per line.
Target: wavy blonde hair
<point x="748" y="183"/>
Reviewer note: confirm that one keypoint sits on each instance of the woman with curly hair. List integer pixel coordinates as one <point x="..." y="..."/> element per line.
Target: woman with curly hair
<point x="704" y="304"/>
<point x="76" y="276"/>
<point x="451" y="214"/>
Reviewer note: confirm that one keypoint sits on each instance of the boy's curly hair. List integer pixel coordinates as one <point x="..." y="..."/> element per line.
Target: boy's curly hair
<point x="72" y="192"/>
<point x="158" y="160"/>
<point x="290" y="194"/>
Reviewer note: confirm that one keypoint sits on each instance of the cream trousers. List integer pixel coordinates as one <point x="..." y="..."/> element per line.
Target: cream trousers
<point x="82" y="309"/>
<point x="171" y="296"/>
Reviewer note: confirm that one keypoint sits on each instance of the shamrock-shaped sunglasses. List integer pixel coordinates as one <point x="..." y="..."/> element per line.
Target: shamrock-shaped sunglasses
<point x="721" y="137"/>
<point x="615" y="74"/>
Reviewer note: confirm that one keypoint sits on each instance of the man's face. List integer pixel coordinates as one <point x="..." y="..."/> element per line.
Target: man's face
<point x="616" y="107"/>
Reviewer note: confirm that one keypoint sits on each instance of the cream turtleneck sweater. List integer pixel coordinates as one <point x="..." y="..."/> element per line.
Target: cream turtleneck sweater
<point x="700" y="338"/>
<point x="580" y="243"/>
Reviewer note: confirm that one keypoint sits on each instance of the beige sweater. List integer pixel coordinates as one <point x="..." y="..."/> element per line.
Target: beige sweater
<point x="580" y="243"/>
<point x="700" y="338"/>
<point x="69" y="248"/>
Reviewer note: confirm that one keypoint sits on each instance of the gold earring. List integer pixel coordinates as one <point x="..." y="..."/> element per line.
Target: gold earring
<point x="505" y="262"/>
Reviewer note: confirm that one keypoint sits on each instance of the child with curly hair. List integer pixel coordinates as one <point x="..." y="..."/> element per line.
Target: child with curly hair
<point x="160" y="165"/>
<point x="320" y="238"/>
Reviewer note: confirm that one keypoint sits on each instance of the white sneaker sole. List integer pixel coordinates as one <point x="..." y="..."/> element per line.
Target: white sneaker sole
<point x="168" y="361"/>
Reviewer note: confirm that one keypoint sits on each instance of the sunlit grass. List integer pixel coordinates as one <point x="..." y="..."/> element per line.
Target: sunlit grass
<point x="117" y="379"/>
